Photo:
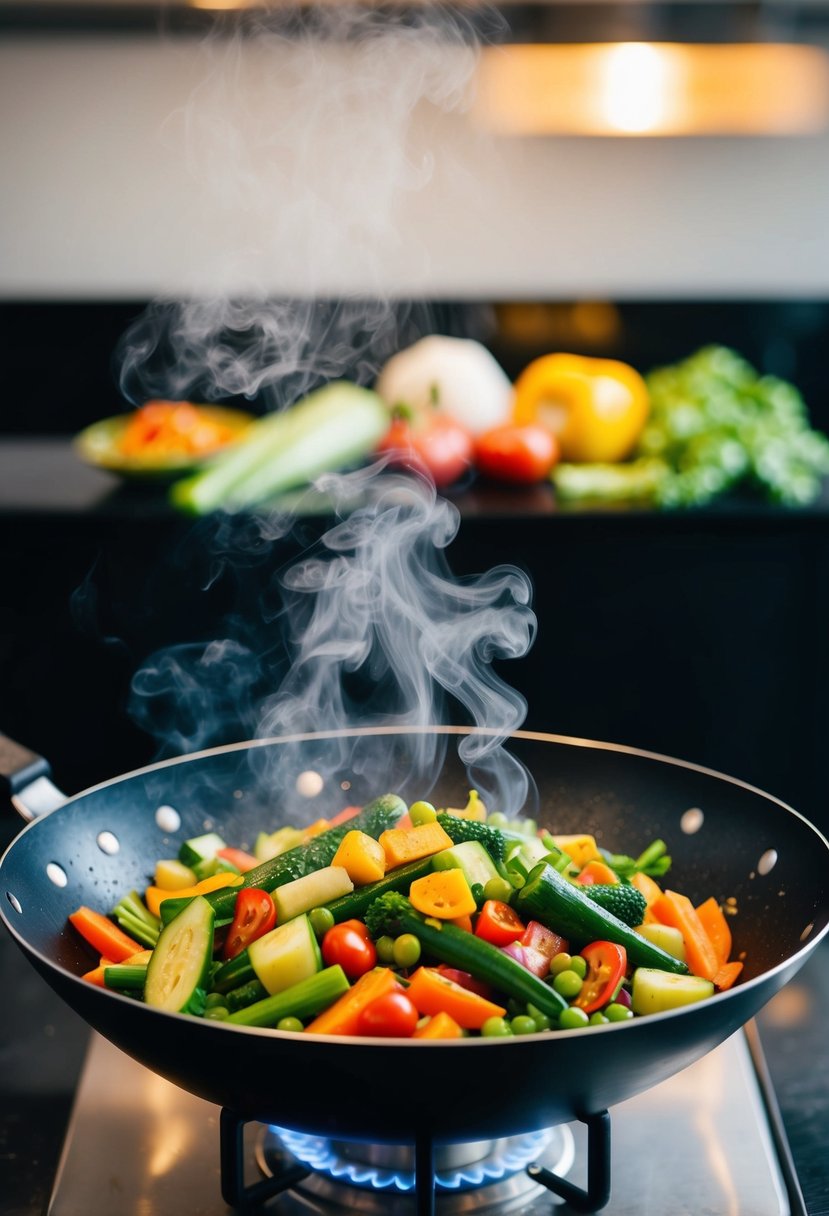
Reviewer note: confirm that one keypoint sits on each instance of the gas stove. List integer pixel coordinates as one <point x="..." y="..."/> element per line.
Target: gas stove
<point x="701" y="1142"/>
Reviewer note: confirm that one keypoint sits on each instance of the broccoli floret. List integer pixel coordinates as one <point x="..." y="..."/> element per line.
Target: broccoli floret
<point x="460" y="830"/>
<point x="384" y="915"/>
<point x="623" y="901"/>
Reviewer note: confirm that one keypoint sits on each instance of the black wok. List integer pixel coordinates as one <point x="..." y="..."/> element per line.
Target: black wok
<point x="451" y="1091"/>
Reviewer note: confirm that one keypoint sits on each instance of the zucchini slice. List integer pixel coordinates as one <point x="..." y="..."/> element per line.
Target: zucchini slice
<point x="178" y="968"/>
<point x="286" y="955"/>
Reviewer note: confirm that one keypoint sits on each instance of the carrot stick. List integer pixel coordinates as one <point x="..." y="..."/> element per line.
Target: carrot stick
<point x="441" y="1026"/>
<point x="674" y="909"/>
<point x="103" y="935"/>
<point x="646" y="886"/>
<point x="434" y="993"/>
<point x="96" y="975"/>
<point x="726" y="975"/>
<point x="343" y="1016"/>
<point x="716" y="926"/>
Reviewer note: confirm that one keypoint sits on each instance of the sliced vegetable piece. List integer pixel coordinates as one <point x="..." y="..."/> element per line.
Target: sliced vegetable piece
<point x="538" y="937"/>
<point x="238" y="858"/>
<point x="304" y="999"/>
<point x="311" y="891"/>
<point x="597" y="872"/>
<point x="471" y="857"/>
<point x="154" y="897"/>
<point x="568" y="910"/>
<point x="622" y="900"/>
<point x="286" y="955"/>
<point x="666" y="937"/>
<point x="255" y="915"/>
<point x="581" y="847"/>
<point x="444" y="894"/>
<point x="675" y="909"/>
<point x="712" y="918"/>
<point x="433" y="993"/>
<point x="727" y="975"/>
<point x="362" y="857"/>
<point x="200" y="848"/>
<point x="342" y="1018"/>
<point x="180" y="964"/>
<point x="655" y="991"/>
<point x="499" y="923"/>
<point x="173" y="875"/>
<point x="404" y="845"/>
<point x="349" y="945"/>
<point x="439" y="1026"/>
<point x="104" y="937"/>
<point x="606" y="966"/>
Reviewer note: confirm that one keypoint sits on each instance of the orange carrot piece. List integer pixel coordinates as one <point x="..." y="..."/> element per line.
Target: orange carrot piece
<point x="726" y="975"/>
<point x="463" y="922"/>
<point x="103" y="935"/>
<point x="96" y="975"/>
<point x="410" y="844"/>
<point x="646" y="886"/>
<point x="433" y="993"/>
<point x="716" y="926"/>
<point x="596" y="871"/>
<point x="674" y="909"/>
<point x="440" y="1026"/>
<point x="348" y="812"/>
<point x="343" y="1016"/>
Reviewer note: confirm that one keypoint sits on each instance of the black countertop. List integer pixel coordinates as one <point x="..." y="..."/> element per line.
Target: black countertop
<point x="42" y="1042"/>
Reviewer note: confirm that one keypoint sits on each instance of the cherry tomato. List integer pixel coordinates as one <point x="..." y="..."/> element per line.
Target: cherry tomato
<point x="433" y="444"/>
<point x="254" y="914"/>
<point x="499" y="924"/>
<point x="519" y="453"/>
<point x="606" y="965"/>
<point x="354" y="951"/>
<point x="391" y="1016"/>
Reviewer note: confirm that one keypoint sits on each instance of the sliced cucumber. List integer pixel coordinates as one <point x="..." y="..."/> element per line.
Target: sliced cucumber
<point x="666" y="937"/>
<point x="180" y="963"/>
<point x="523" y="856"/>
<point x="312" y="891"/>
<point x="286" y="955"/>
<point x="200" y="849"/>
<point x="471" y="857"/>
<point x="656" y="991"/>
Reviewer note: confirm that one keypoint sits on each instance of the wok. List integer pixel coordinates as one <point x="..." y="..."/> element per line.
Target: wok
<point x="750" y="846"/>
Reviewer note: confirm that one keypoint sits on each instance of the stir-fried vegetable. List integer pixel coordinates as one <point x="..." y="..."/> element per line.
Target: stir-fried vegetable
<point x="460" y="924"/>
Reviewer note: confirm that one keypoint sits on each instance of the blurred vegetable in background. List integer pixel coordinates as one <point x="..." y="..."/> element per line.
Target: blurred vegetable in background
<point x="431" y="442"/>
<point x="715" y="425"/>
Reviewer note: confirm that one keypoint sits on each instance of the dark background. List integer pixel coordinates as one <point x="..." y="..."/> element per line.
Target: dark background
<point x="699" y="634"/>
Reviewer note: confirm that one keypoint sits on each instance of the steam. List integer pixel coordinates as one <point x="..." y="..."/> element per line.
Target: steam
<point x="308" y="130"/>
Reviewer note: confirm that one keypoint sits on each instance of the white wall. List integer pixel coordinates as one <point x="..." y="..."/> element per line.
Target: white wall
<point x="137" y="166"/>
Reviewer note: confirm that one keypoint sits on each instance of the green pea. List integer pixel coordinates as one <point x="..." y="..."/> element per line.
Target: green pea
<point x="496" y="1028"/>
<point x="499" y="888"/>
<point x="217" y="1013"/>
<point x="560" y="962"/>
<point x="422" y="812"/>
<point x="573" y="1018"/>
<point x="617" y="1013"/>
<point x="567" y="984"/>
<point x="523" y="1024"/>
<point x="406" y="950"/>
<point x="322" y="919"/>
<point x="579" y="965"/>
<point x="542" y="1022"/>
<point x="598" y="1018"/>
<point x="215" y="998"/>
<point x="292" y="1024"/>
<point x="385" y="949"/>
<point x="496" y="819"/>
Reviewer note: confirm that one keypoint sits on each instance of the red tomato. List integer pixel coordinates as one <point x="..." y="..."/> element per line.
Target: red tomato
<point x="254" y="914"/>
<point x="434" y="444"/>
<point x="543" y="940"/>
<point x="392" y="1016"/>
<point x="354" y="951"/>
<point x="606" y="965"/>
<point x="516" y="453"/>
<point x="499" y="924"/>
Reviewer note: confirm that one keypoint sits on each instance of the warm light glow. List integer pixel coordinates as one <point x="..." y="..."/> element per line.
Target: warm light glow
<point x="642" y="88"/>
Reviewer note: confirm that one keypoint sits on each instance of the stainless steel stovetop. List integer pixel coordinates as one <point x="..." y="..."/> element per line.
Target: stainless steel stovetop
<point x="695" y="1145"/>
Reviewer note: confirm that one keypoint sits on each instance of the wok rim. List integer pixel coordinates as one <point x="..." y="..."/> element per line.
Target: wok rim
<point x="791" y="962"/>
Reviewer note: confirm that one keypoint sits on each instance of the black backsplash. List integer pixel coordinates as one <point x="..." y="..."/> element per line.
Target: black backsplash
<point x="60" y="371"/>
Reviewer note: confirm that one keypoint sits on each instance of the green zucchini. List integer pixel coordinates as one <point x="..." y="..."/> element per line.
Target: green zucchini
<point x="126" y="977"/>
<point x="332" y="428"/>
<point x="245" y="994"/>
<point x="354" y="905"/>
<point x="564" y="907"/>
<point x="655" y="991"/>
<point x="311" y="891"/>
<point x="392" y="915"/>
<point x="319" y="851"/>
<point x="200" y="849"/>
<point x="179" y="966"/>
<point x="471" y="858"/>
<point x="286" y="955"/>
<point x="303" y="1000"/>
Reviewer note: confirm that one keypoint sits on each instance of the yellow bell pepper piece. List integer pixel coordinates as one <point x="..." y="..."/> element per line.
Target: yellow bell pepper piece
<point x="154" y="896"/>
<point x="410" y="844"/>
<point x="362" y="857"/>
<point x="444" y="894"/>
<point x="596" y="408"/>
<point x="581" y="848"/>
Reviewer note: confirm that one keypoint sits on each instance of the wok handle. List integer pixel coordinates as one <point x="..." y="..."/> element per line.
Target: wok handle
<point x="25" y="778"/>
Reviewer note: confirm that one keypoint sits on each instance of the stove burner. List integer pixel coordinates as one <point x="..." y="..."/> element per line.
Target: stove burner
<point x="485" y="1176"/>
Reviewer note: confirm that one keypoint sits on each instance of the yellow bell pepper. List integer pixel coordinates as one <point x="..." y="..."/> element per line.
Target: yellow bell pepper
<point x="155" y="896"/>
<point x="444" y="894"/>
<point x="596" y="408"/>
<point x="362" y="857"/>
